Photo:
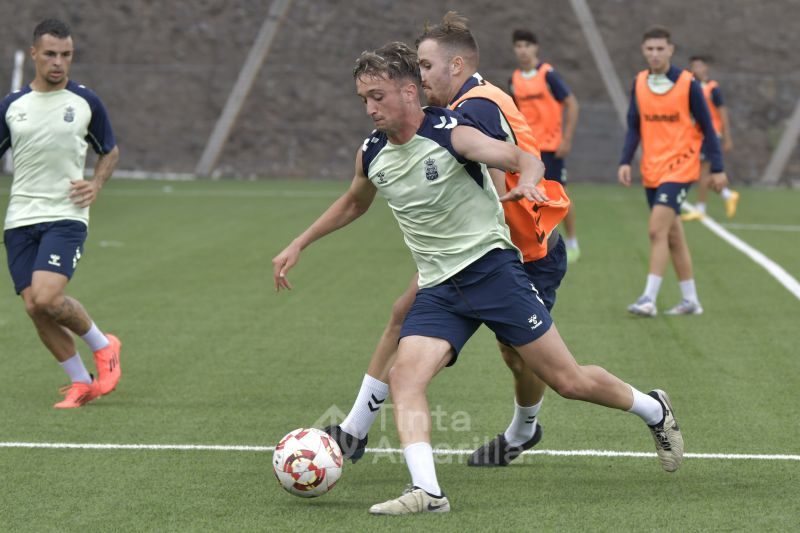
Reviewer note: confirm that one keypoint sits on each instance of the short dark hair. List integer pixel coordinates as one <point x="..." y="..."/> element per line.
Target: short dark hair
<point x="657" y="32"/>
<point x="700" y="57"/>
<point x="395" y="60"/>
<point x="53" y="27"/>
<point x="524" y="35"/>
<point x="452" y="33"/>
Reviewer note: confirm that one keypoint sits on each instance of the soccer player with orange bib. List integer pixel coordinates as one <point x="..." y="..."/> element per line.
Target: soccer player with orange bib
<point x="669" y="115"/>
<point x="545" y="101"/>
<point x="719" y="117"/>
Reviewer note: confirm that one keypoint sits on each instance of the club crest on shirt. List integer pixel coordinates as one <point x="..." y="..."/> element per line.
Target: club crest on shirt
<point x="431" y="172"/>
<point x="381" y="177"/>
<point x="69" y="114"/>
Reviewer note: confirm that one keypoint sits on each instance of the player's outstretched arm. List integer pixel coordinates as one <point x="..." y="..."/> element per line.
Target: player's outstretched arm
<point x="83" y="193"/>
<point x="475" y="146"/>
<point x="351" y="205"/>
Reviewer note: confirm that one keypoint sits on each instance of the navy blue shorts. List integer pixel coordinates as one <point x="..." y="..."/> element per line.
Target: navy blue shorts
<point x="52" y="246"/>
<point x="546" y="273"/>
<point x="554" y="168"/>
<point x="494" y="290"/>
<point x="669" y="194"/>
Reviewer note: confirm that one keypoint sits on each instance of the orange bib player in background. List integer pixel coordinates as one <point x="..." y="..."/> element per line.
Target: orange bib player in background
<point x="448" y="60"/>
<point x="545" y="100"/>
<point x="541" y="109"/>
<point x="530" y="224"/>
<point x="670" y="138"/>
<point x="669" y="115"/>
<point x="721" y="122"/>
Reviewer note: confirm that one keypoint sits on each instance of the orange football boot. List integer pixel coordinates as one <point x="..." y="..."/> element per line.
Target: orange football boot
<point x="78" y="394"/>
<point x="107" y="362"/>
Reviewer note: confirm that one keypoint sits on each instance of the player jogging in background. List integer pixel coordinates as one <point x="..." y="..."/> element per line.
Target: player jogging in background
<point x="48" y="125"/>
<point x="543" y="97"/>
<point x="722" y="126"/>
<point x="668" y="113"/>
<point x="430" y="165"/>
<point x="448" y="57"/>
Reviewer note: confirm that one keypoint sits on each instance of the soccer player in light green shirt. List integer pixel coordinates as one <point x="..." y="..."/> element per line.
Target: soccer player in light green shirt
<point x="48" y="126"/>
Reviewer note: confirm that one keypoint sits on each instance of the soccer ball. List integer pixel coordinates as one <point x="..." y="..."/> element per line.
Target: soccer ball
<point x="307" y="462"/>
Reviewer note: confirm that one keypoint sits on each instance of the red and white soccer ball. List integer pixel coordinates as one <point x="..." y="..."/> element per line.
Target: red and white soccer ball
<point x="307" y="462"/>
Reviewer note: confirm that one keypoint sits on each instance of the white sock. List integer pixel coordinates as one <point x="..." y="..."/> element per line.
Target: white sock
<point x="523" y="425"/>
<point x="75" y="370"/>
<point x="419" y="458"/>
<point x="653" y="286"/>
<point x="688" y="290"/>
<point x="95" y="338"/>
<point x="646" y="407"/>
<point x="368" y="403"/>
<point x="725" y="193"/>
<point x="571" y="242"/>
<point x="701" y="207"/>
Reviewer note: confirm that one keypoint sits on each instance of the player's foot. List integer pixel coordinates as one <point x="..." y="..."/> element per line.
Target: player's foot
<point x="731" y="203"/>
<point x="107" y="362"/>
<point x="644" y="306"/>
<point x="686" y="307"/>
<point x="413" y="500"/>
<point x="667" y="434"/>
<point x="498" y="452"/>
<point x="692" y="215"/>
<point x="352" y="448"/>
<point x="573" y="254"/>
<point x="78" y="394"/>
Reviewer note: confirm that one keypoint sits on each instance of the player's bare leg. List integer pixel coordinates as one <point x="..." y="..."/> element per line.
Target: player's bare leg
<point x="682" y="261"/>
<point x="550" y="359"/>
<point x="386" y="350"/>
<point x="661" y="220"/>
<point x="524" y="431"/>
<point x="419" y="359"/>
<point x="573" y="250"/>
<point x="56" y="317"/>
<point x="54" y="314"/>
<point x="351" y="434"/>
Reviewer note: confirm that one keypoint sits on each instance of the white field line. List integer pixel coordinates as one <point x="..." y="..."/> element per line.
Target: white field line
<point x="436" y="451"/>
<point x="774" y="269"/>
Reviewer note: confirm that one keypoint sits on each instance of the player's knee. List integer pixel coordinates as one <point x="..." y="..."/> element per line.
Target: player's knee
<point x="41" y="304"/>
<point x="512" y="359"/>
<point x="30" y="308"/>
<point x="656" y="235"/>
<point x="568" y="387"/>
<point x="400" y="380"/>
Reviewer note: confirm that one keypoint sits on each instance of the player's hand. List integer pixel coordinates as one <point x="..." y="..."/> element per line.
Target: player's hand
<point x="624" y="175"/>
<point x="564" y="148"/>
<point x="281" y="265"/>
<point x="528" y="191"/>
<point x="727" y="144"/>
<point x="83" y="193"/>
<point x="718" y="181"/>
